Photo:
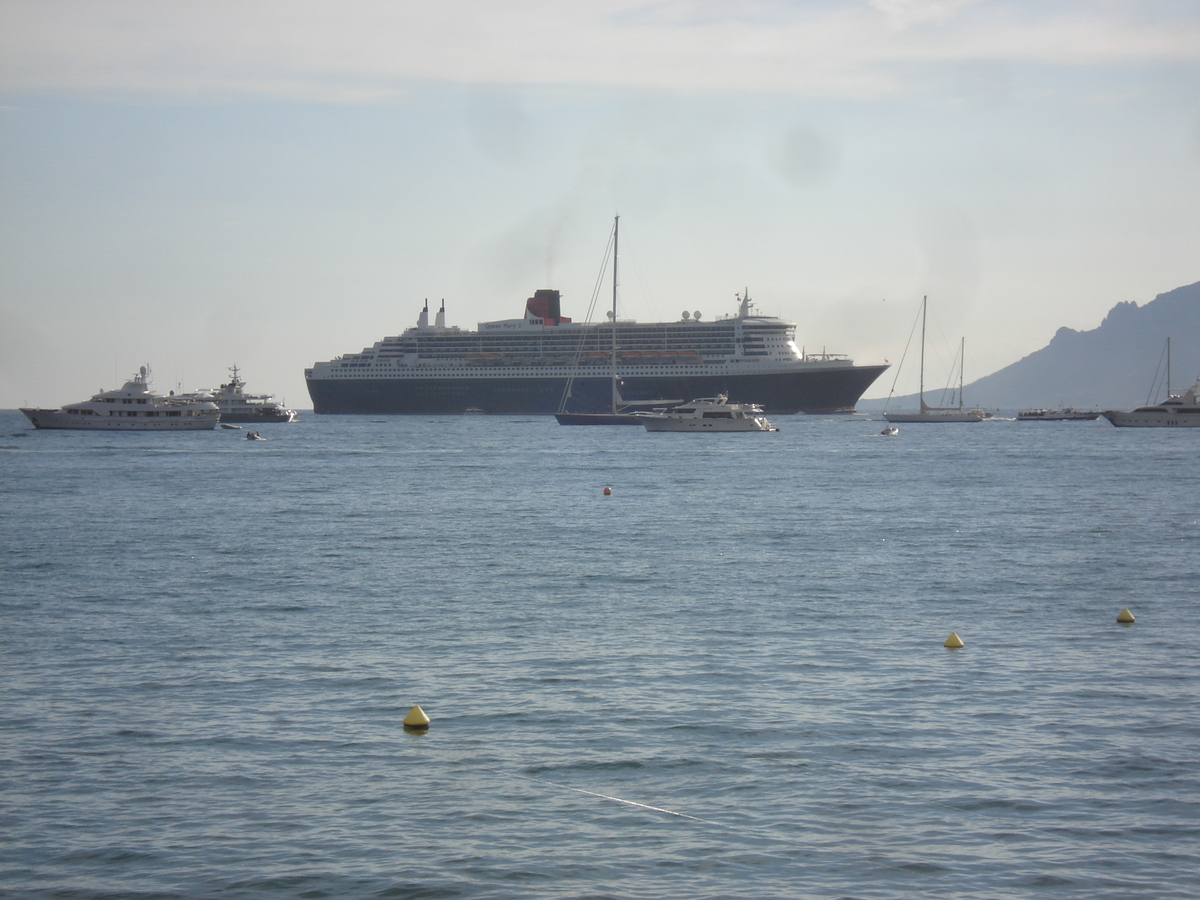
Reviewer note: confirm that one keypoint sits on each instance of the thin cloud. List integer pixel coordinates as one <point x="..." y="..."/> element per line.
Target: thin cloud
<point x="365" y="51"/>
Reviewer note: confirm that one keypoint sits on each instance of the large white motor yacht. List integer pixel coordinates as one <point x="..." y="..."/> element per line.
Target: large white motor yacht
<point x="709" y="414"/>
<point x="1174" y="412"/>
<point x="134" y="407"/>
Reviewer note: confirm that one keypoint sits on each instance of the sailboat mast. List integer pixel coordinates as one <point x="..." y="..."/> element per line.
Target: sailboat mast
<point x="616" y="235"/>
<point x="1168" y="367"/>
<point x="924" y="304"/>
<point x="962" y="361"/>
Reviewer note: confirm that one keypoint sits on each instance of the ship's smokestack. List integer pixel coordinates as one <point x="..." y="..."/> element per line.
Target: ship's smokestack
<point x="545" y="305"/>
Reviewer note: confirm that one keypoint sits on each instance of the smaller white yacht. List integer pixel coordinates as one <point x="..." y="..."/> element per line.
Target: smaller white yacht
<point x="709" y="414"/>
<point x="1174" y="412"/>
<point x="134" y="407"/>
<point x="238" y="406"/>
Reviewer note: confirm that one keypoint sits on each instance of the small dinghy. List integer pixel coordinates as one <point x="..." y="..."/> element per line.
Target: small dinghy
<point x="890" y="430"/>
<point x="254" y="436"/>
<point x="231" y="427"/>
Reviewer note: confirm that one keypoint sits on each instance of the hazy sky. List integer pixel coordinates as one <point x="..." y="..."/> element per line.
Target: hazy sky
<point x="194" y="185"/>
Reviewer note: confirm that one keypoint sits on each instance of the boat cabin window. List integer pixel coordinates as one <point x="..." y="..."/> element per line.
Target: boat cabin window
<point x="683" y="412"/>
<point x="718" y="415"/>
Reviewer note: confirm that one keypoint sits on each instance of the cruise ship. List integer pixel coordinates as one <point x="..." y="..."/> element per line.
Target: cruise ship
<point x="544" y="363"/>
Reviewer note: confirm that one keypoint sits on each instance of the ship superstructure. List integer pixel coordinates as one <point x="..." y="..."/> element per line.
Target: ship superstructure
<point x="524" y="366"/>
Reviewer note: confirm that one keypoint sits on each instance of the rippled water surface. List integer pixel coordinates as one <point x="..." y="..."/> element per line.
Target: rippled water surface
<point x="727" y="679"/>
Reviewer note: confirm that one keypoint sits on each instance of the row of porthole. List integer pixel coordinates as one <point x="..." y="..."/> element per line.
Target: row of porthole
<point x="494" y="369"/>
<point x="494" y="372"/>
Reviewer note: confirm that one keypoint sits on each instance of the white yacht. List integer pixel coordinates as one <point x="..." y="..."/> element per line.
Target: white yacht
<point x="238" y="406"/>
<point x="134" y="407"/>
<point x="1174" y="412"/>
<point x="709" y="414"/>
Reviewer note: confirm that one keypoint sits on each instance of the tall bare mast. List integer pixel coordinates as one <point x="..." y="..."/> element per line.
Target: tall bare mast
<point x="924" y="305"/>
<point x="615" y="393"/>
<point x="962" y="362"/>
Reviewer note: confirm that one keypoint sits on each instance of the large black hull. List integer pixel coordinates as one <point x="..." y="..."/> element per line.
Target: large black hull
<point x="809" y="390"/>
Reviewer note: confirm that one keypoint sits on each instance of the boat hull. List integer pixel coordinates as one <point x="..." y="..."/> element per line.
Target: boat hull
<point x="687" y="425"/>
<point x="598" y="419"/>
<point x="1053" y="417"/>
<point x="56" y="419"/>
<point x="1174" y="419"/>
<point x="815" y="390"/>
<point x="281" y="415"/>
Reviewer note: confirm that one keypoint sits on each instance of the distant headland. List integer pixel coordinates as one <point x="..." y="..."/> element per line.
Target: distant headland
<point x="1110" y="367"/>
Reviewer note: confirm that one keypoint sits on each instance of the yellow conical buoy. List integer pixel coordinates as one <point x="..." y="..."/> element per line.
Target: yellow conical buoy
<point x="954" y="641"/>
<point x="1125" y="617"/>
<point x="416" y="719"/>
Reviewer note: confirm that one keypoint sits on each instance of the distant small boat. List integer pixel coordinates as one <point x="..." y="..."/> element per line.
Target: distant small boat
<point x="1057" y="415"/>
<point x="254" y="436"/>
<point x="231" y="427"/>
<point x="890" y="431"/>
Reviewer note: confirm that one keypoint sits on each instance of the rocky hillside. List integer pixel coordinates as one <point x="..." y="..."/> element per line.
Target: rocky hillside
<point x="1109" y="367"/>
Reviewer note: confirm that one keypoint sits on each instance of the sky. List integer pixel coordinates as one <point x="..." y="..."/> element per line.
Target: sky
<point x="268" y="184"/>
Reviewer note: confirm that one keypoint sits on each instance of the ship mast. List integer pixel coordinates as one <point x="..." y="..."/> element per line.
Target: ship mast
<point x="962" y="359"/>
<point x="924" y="305"/>
<point x="615" y="394"/>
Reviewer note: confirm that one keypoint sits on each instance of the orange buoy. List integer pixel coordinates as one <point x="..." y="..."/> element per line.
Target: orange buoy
<point x="608" y="492"/>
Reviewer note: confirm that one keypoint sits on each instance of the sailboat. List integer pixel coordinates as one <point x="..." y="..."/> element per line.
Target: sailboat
<point x="620" y="411"/>
<point x="937" y="413"/>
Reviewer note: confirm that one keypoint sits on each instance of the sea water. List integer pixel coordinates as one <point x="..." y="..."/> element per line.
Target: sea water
<point x="725" y="679"/>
